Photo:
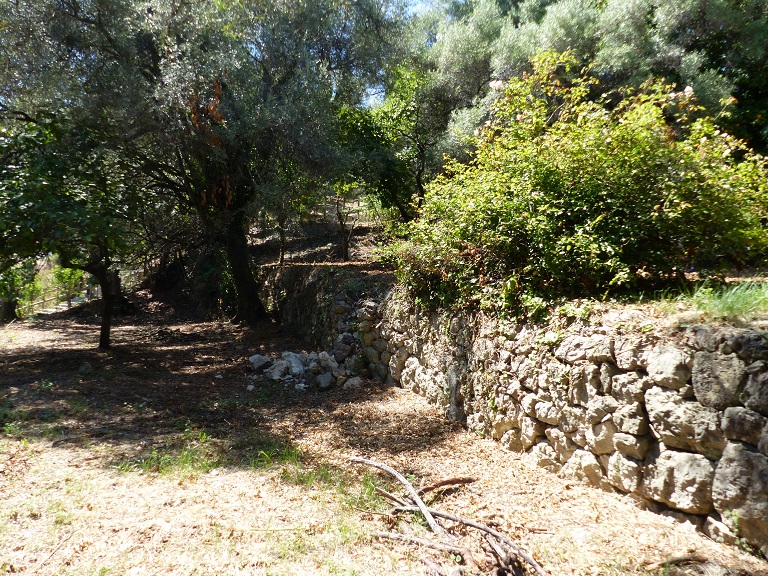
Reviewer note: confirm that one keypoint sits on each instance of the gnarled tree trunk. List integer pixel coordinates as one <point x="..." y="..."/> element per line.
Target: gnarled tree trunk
<point x="249" y="306"/>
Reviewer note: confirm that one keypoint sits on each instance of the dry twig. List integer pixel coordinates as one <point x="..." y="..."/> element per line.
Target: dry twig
<point x="446" y="482"/>
<point x="37" y="568"/>
<point x="675" y="560"/>
<point x="436" y="528"/>
<point x="483" y="528"/>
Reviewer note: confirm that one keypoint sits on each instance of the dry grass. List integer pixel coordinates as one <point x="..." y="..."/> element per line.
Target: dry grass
<point x="259" y="482"/>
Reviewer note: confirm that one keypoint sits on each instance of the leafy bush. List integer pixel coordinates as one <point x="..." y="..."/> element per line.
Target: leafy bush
<point x="566" y="197"/>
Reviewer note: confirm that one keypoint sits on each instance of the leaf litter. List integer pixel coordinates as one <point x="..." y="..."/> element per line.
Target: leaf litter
<point x="153" y="465"/>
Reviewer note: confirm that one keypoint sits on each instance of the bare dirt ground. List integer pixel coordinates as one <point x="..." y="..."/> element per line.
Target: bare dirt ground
<point x="161" y="461"/>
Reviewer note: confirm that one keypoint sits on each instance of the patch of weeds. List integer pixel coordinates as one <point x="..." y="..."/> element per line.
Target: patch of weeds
<point x="742" y="301"/>
<point x="78" y="405"/>
<point x="308" y="476"/>
<point x="189" y="461"/>
<point x="335" y="570"/>
<point x="46" y="385"/>
<point x="12" y="421"/>
<point x="61" y="516"/>
<point x="197" y="455"/>
<point x="14" y="429"/>
<point x="366" y="497"/>
<point x="257" y="449"/>
<point x="293" y="544"/>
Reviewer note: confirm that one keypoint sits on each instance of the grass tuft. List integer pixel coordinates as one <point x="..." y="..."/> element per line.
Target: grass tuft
<point x="743" y="301"/>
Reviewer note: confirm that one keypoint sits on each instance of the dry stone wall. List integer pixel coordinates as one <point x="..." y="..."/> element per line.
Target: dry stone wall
<point x="676" y="417"/>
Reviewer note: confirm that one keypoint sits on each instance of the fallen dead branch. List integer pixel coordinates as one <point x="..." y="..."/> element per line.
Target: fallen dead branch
<point x="487" y="529"/>
<point x="41" y="564"/>
<point x="686" y="559"/>
<point x="508" y="553"/>
<point x="444" y="483"/>
<point x="422" y="541"/>
<point x="436" y="528"/>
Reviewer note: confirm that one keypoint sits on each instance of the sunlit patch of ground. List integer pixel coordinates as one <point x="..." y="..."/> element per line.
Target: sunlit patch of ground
<point x="160" y="461"/>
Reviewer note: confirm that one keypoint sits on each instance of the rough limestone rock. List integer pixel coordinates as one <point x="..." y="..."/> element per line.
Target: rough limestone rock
<point x="563" y="445"/>
<point x="599" y="406"/>
<point x="668" y="367"/>
<point x="531" y="431"/>
<point x="624" y="473"/>
<point x="607" y="372"/>
<point x="749" y="345"/>
<point x="397" y="363"/>
<point x="572" y="349"/>
<point x="715" y="529"/>
<point x="353" y="383"/>
<point x="681" y="480"/>
<point x="628" y="388"/>
<point x="325" y="381"/>
<point x="684" y="424"/>
<point x="744" y="425"/>
<point x="572" y="418"/>
<point x="600" y="350"/>
<point x="631" y="419"/>
<point x="631" y="353"/>
<point x="740" y="493"/>
<point x="511" y="440"/>
<point x="755" y="394"/>
<point x="296" y="363"/>
<point x="547" y="412"/>
<point x="327" y="361"/>
<point x="717" y="379"/>
<point x="343" y="346"/>
<point x="600" y="437"/>
<point x="632" y="446"/>
<point x="584" y="465"/>
<point x="545" y="457"/>
<point x="502" y="423"/>
<point x="258" y="361"/>
<point x="278" y="370"/>
<point x="706" y="337"/>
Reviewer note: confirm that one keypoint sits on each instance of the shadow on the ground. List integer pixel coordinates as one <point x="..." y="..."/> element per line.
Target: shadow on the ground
<point x="169" y="388"/>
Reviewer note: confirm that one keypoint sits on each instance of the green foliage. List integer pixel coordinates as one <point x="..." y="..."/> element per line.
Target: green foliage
<point x="68" y="280"/>
<point x="741" y="301"/>
<point x="564" y="197"/>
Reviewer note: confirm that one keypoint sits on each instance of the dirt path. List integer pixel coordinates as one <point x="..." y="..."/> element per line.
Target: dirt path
<point x="155" y="458"/>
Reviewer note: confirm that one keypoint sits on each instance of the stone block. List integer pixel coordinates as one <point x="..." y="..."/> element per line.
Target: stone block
<point x="630" y="387"/>
<point x="600" y="437"/>
<point x="740" y="493"/>
<point x="632" y="446"/>
<point x="545" y="457"/>
<point x="572" y="418"/>
<point x="584" y="466"/>
<point x="631" y="353"/>
<point x="624" y="473"/>
<point x="397" y="363"/>
<point x="717" y="379"/>
<point x="563" y="445"/>
<point x="607" y="372"/>
<point x="680" y="480"/>
<point x="599" y="406"/>
<point x="631" y="419"/>
<point x="684" y="424"/>
<point x="755" y="394"/>
<point x="531" y="431"/>
<point x="512" y="440"/>
<point x="502" y="423"/>
<point x="744" y="425"/>
<point x="668" y="366"/>
<point x="547" y="412"/>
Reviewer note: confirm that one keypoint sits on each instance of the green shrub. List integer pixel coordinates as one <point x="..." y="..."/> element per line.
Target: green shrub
<point x="565" y="197"/>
